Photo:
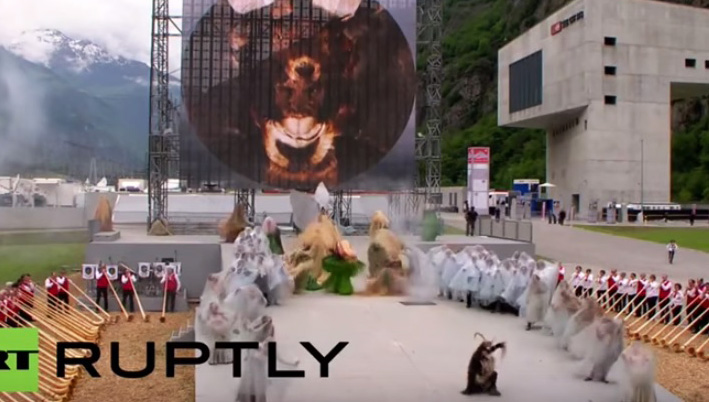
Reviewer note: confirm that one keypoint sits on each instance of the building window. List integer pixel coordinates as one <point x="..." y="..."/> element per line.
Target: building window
<point x="706" y="64"/>
<point x="609" y="41"/>
<point x="609" y="100"/>
<point x="609" y="70"/>
<point x="690" y="63"/>
<point x="526" y="82"/>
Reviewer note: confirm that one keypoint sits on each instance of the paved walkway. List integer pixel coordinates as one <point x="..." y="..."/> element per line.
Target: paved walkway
<point x="574" y="246"/>
<point x="417" y="354"/>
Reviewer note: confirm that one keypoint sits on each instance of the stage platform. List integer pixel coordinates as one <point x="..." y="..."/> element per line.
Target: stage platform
<point x="202" y="255"/>
<point x="411" y="353"/>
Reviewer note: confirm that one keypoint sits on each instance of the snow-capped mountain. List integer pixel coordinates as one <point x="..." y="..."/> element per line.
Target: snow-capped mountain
<point x="80" y="60"/>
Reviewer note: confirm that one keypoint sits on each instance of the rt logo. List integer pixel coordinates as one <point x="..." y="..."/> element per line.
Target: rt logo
<point x="19" y="360"/>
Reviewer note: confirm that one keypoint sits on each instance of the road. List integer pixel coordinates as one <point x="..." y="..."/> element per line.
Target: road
<point x="574" y="246"/>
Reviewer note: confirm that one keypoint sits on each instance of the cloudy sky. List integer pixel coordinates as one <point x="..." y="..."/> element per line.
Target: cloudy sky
<point x="121" y="26"/>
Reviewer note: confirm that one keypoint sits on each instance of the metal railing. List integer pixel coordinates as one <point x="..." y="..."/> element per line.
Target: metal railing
<point x="504" y="229"/>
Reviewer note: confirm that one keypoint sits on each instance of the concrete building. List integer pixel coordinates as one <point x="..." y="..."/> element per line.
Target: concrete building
<point x="599" y="76"/>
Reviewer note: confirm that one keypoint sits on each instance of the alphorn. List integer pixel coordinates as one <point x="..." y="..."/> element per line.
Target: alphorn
<point x="612" y="307"/>
<point x="78" y="323"/>
<point x="103" y="312"/>
<point x="42" y="335"/>
<point x="667" y="315"/>
<point x="689" y="342"/>
<point x="99" y="321"/>
<point x="700" y="350"/>
<point x="65" y="333"/>
<point x="651" y="315"/>
<point x="688" y="314"/>
<point x="656" y="319"/>
<point x="135" y="293"/>
<point x="129" y="317"/>
<point x="75" y="312"/>
<point x="164" y="301"/>
<point x="672" y="343"/>
<point x="628" y="306"/>
<point x="61" y="322"/>
<point x="632" y="311"/>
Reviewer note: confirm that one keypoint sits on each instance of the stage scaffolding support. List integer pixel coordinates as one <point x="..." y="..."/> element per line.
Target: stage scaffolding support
<point x="164" y="142"/>
<point x="427" y="189"/>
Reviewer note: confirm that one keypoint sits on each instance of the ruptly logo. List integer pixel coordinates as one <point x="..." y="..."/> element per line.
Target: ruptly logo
<point x="19" y="360"/>
<point x="561" y="25"/>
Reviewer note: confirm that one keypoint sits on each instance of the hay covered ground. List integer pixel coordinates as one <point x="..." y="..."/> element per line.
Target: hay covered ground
<point x="133" y="337"/>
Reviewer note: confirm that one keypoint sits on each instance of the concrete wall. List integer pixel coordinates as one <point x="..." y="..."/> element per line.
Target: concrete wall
<point x="41" y="218"/>
<point x="594" y="149"/>
<point x="198" y="259"/>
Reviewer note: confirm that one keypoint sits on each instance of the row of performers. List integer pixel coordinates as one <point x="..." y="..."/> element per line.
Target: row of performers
<point x="171" y="285"/>
<point x="17" y="300"/>
<point x="645" y="293"/>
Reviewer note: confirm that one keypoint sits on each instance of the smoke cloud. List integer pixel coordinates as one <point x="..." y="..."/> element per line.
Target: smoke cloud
<point x="22" y="116"/>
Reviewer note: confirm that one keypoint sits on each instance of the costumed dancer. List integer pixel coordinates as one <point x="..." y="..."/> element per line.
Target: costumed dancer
<point x="387" y="268"/>
<point x="273" y="233"/>
<point x="318" y="240"/>
<point x="171" y="284"/>
<point x="536" y="301"/>
<point x="230" y="228"/>
<point x="638" y="383"/>
<point x="482" y="377"/>
<point x="564" y="304"/>
<point x="341" y="266"/>
<point x="254" y="325"/>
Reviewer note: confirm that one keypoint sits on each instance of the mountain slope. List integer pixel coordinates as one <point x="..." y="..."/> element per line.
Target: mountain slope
<point x="48" y="123"/>
<point x="475" y="30"/>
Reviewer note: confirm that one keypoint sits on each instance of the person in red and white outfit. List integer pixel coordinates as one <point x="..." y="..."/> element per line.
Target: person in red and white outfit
<point x="172" y="285"/>
<point x="651" y="296"/>
<point x="642" y="288"/>
<point x="577" y="281"/>
<point x="560" y="277"/>
<point x="25" y="296"/>
<point x="602" y="284"/>
<point x="666" y="287"/>
<point x="677" y="300"/>
<point x="622" y="286"/>
<point x="128" y="285"/>
<point x="587" y="283"/>
<point x="63" y="295"/>
<point x="693" y="304"/>
<point x="3" y="308"/>
<point x="52" y="290"/>
<point x="704" y="321"/>
<point x="12" y="309"/>
<point x="102" y="283"/>
<point x="613" y="279"/>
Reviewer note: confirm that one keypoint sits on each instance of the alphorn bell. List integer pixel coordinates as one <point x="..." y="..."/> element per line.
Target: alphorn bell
<point x="103" y="312"/>
<point x="689" y="342"/>
<point x="656" y="338"/>
<point x="129" y="317"/>
<point x="135" y="293"/>
<point x="672" y="343"/>
<point x="164" y="301"/>
<point x="700" y="350"/>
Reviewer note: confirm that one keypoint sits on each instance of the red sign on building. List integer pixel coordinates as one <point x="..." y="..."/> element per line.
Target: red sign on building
<point x="478" y="155"/>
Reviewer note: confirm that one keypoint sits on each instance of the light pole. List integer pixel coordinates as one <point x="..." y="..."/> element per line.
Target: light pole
<point x="642" y="178"/>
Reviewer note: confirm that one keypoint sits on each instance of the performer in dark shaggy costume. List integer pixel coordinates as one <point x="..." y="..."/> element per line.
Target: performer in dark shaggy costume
<point x="482" y="377"/>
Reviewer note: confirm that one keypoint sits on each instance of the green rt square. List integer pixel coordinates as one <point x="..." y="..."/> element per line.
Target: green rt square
<point x="19" y="360"/>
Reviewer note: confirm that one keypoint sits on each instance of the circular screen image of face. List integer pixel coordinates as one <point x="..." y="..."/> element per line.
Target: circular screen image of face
<point x="293" y="93"/>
